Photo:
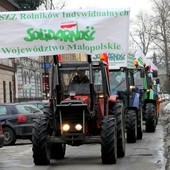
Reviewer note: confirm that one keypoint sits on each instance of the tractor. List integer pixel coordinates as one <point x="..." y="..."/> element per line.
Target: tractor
<point x="123" y="84"/>
<point x="148" y="85"/>
<point x="80" y="114"/>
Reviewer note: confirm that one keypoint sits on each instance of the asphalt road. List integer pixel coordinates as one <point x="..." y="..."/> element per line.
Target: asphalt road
<point x="146" y="154"/>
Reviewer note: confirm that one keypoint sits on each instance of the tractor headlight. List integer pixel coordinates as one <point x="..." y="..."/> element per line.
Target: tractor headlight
<point x="72" y="93"/>
<point x="66" y="127"/>
<point x="147" y="90"/>
<point x="132" y="87"/>
<point x="78" y="127"/>
<point x="101" y="95"/>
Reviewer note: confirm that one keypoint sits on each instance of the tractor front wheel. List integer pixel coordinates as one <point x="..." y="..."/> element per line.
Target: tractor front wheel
<point x="118" y="110"/>
<point x="131" y="126"/>
<point x="108" y="140"/>
<point x="140" y="124"/>
<point x="150" y="117"/>
<point x="41" y="147"/>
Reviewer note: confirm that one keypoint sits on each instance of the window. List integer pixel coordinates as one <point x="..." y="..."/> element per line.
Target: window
<point x="40" y="106"/>
<point x="117" y="81"/>
<point x="4" y="91"/>
<point x="67" y="84"/>
<point x="138" y="80"/>
<point x="26" y="109"/>
<point x="10" y="91"/>
<point x="3" y="110"/>
<point x="98" y="84"/>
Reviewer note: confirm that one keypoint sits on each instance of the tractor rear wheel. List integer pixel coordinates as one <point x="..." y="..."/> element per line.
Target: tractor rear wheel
<point x="118" y="110"/>
<point x="131" y="126"/>
<point x="140" y="124"/>
<point x="108" y="140"/>
<point x="150" y="117"/>
<point x="41" y="146"/>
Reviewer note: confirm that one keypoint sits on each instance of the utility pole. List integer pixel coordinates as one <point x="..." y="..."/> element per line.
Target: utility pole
<point x="45" y="74"/>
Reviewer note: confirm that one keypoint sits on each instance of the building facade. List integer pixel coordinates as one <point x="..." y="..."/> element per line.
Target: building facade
<point x="28" y="79"/>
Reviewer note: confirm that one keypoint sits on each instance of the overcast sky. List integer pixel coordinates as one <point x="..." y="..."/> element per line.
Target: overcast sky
<point x="134" y="5"/>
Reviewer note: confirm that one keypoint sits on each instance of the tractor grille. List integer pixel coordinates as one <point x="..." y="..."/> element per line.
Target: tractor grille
<point x="73" y="116"/>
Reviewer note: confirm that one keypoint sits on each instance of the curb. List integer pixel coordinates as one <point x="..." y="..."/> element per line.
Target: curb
<point x="165" y="121"/>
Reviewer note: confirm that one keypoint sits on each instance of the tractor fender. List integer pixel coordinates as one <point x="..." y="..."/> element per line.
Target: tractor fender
<point x="150" y="101"/>
<point x="84" y="99"/>
<point x="113" y="98"/>
<point x="132" y="108"/>
<point x="135" y="101"/>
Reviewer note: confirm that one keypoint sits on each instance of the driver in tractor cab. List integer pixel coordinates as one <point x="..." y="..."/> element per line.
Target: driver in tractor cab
<point x="80" y="78"/>
<point x="80" y="83"/>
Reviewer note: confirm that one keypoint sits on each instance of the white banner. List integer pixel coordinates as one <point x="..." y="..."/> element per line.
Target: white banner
<point x="116" y="61"/>
<point x="39" y="33"/>
<point x="141" y="58"/>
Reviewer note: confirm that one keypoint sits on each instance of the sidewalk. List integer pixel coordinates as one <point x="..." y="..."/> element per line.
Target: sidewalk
<point x="165" y="121"/>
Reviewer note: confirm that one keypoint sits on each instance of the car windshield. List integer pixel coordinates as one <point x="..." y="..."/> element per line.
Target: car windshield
<point x="25" y="109"/>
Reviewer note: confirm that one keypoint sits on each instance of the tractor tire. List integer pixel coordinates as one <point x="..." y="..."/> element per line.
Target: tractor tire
<point x="108" y="140"/>
<point x="150" y="114"/>
<point x="157" y="114"/>
<point x="131" y="126"/>
<point x="10" y="137"/>
<point x="140" y="124"/>
<point x="40" y="145"/>
<point x="58" y="150"/>
<point x="47" y="113"/>
<point x="118" y="110"/>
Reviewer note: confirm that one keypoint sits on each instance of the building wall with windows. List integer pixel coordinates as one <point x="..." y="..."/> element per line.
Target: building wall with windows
<point x="7" y="69"/>
<point x="28" y="79"/>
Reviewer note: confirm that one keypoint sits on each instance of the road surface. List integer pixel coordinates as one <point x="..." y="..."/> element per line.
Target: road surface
<point x="145" y="154"/>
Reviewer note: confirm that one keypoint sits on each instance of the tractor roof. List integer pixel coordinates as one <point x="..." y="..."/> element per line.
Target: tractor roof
<point x="77" y="65"/>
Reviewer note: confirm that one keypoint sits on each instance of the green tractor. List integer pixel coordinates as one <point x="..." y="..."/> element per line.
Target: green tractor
<point x="148" y="86"/>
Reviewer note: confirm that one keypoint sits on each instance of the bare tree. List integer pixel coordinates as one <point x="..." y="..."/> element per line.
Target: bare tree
<point x="142" y="31"/>
<point x="161" y="33"/>
<point x="53" y="4"/>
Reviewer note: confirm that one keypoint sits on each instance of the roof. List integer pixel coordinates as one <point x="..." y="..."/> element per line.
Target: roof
<point x="9" y="5"/>
<point x="13" y="3"/>
<point x="11" y="104"/>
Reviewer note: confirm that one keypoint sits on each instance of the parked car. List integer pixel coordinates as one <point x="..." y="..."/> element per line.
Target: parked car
<point x="17" y="121"/>
<point x="1" y="136"/>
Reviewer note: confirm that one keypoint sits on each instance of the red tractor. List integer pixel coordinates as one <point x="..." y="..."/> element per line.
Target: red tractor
<point x="79" y="114"/>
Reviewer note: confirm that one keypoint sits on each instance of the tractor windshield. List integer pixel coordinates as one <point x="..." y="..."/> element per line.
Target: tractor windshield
<point x="98" y="84"/>
<point x="138" y="80"/>
<point x="117" y="81"/>
<point x="72" y="81"/>
<point x="80" y="84"/>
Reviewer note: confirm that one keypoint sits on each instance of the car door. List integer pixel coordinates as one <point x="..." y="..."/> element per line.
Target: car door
<point x="30" y="111"/>
<point x="8" y="115"/>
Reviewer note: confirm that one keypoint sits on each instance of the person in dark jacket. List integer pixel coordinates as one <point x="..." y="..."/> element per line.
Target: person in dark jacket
<point x="80" y="78"/>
